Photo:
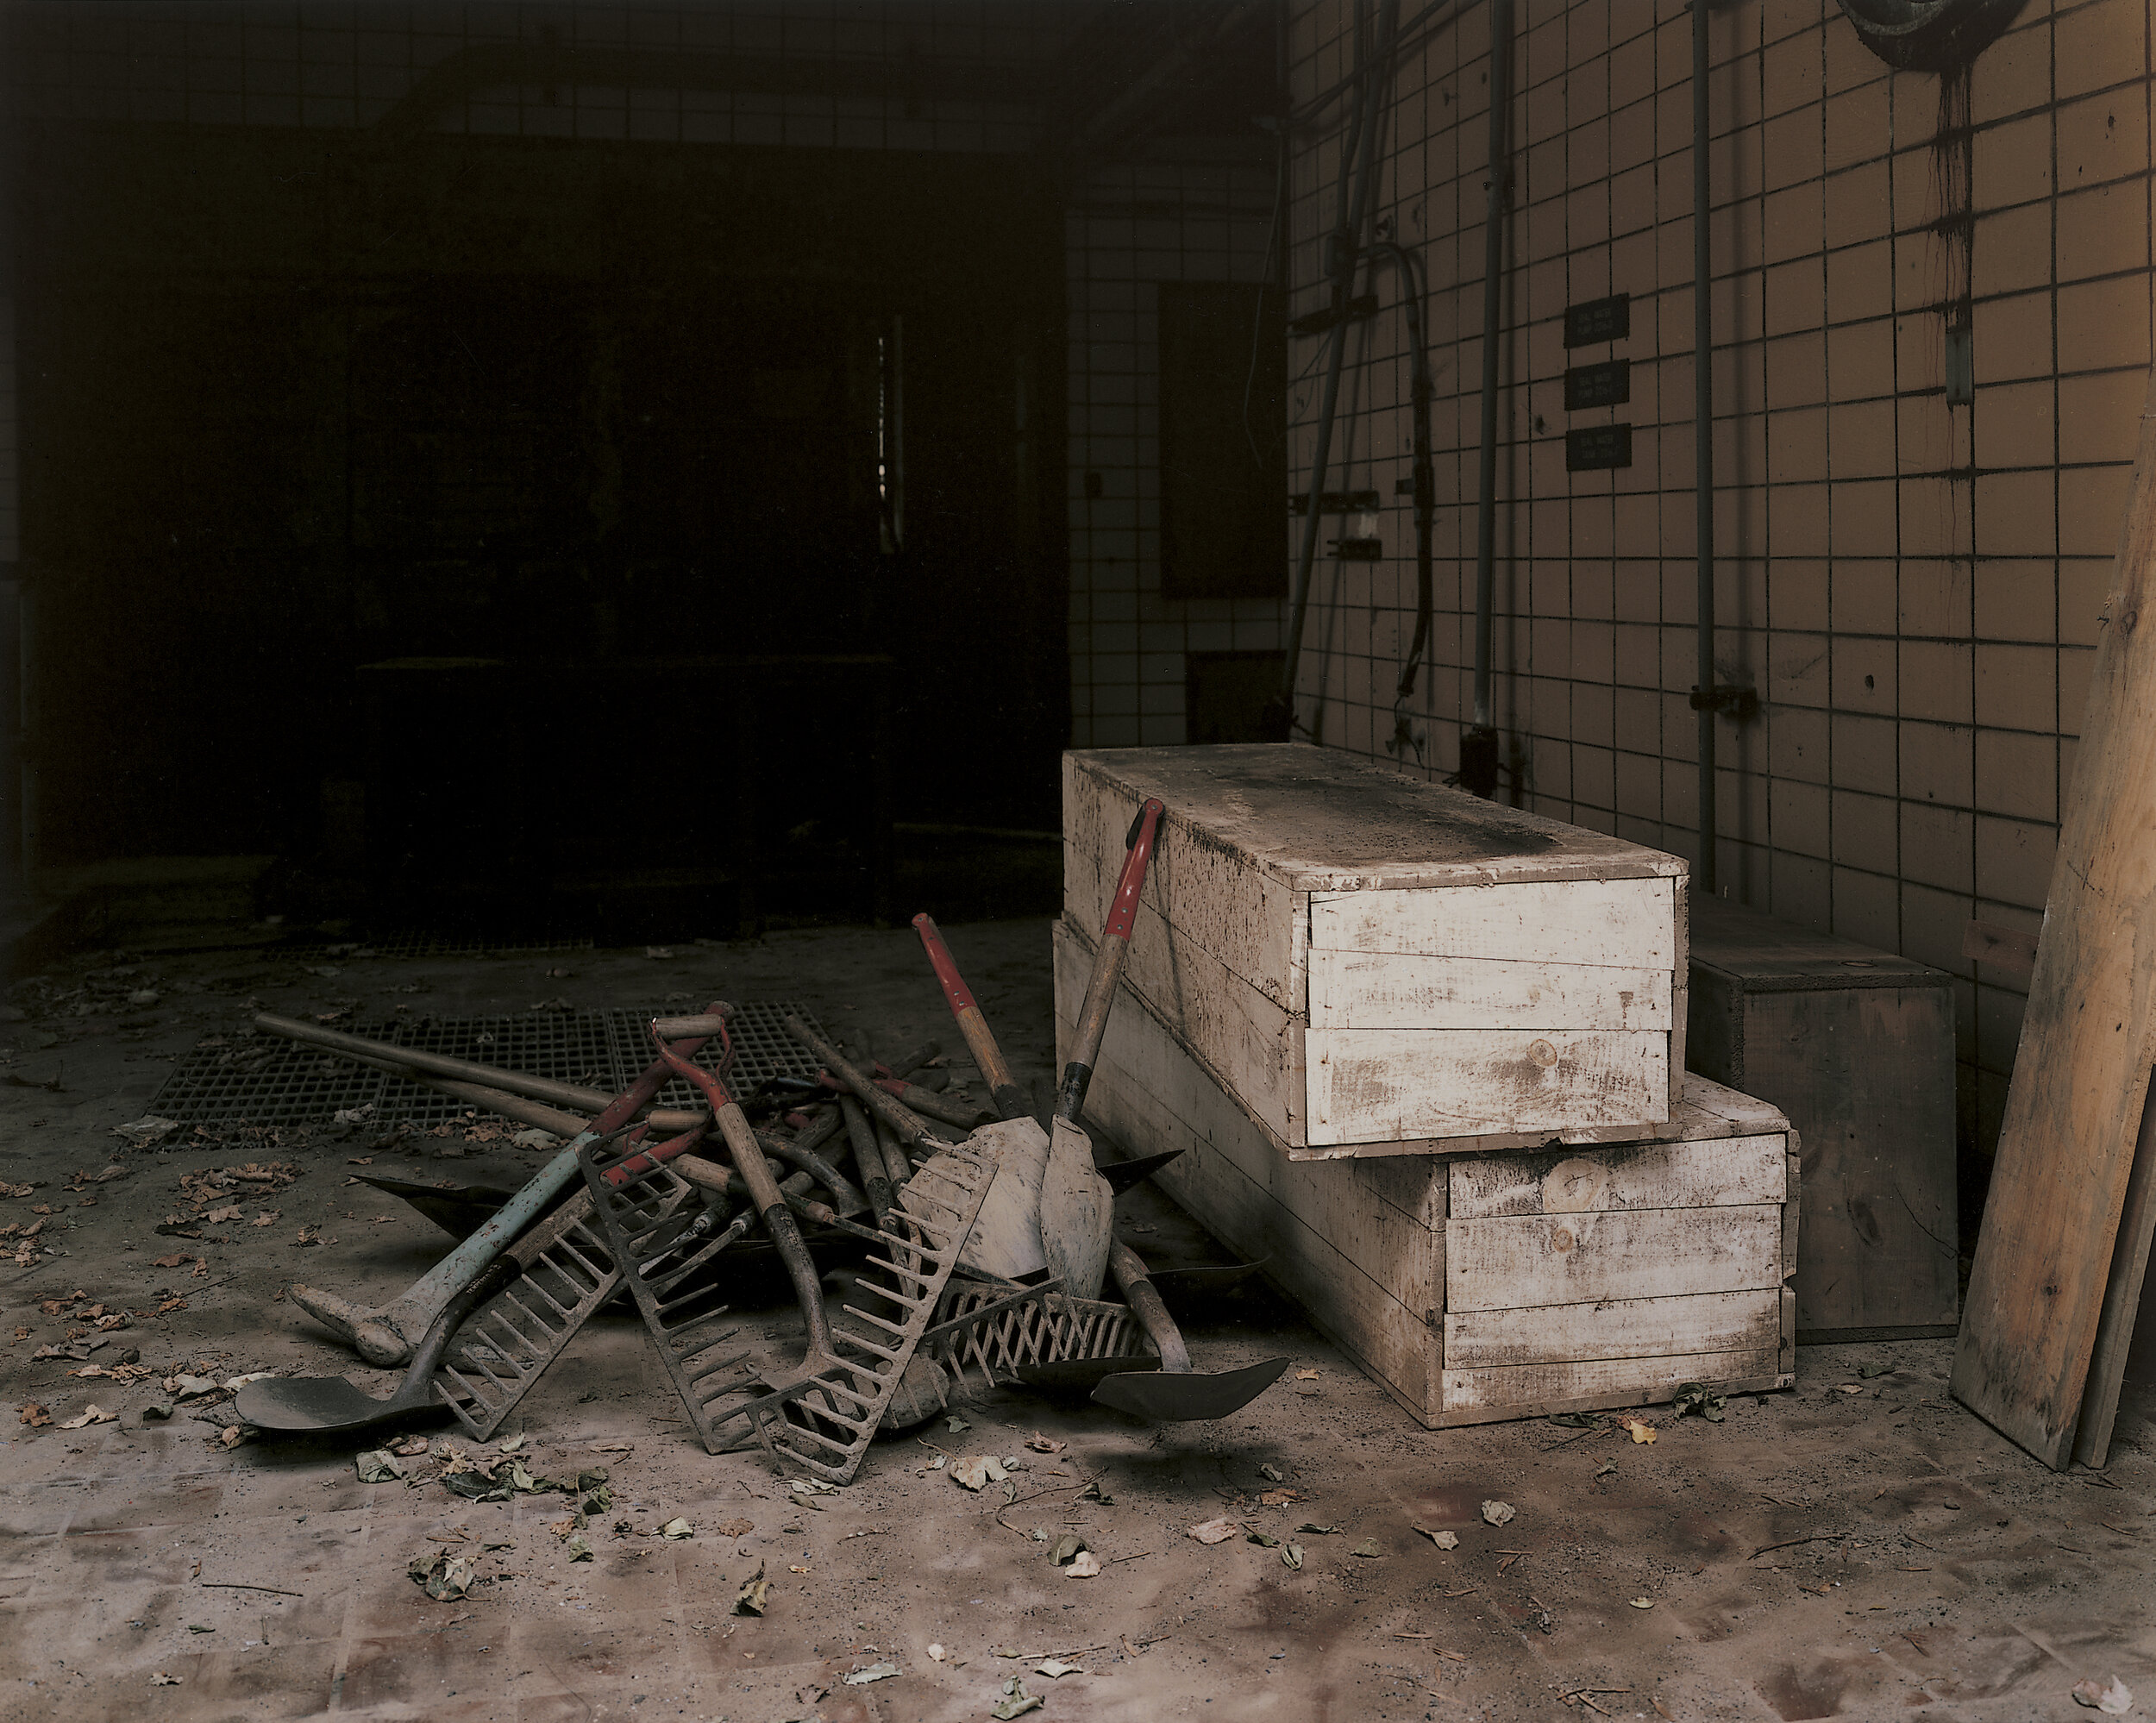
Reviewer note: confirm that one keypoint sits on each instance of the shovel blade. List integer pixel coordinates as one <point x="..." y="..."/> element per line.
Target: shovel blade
<point x="1077" y="1212"/>
<point x="321" y="1403"/>
<point x="1171" y="1398"/>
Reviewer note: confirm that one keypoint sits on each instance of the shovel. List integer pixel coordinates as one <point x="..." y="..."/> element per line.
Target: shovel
<point x="331" y="1403"/>
<point x="1174" y="1393"/>
<point x="1077" y="1207"/>
<point x="384" y="1336"/>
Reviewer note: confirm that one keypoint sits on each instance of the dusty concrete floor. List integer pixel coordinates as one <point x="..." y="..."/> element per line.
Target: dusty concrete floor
<point x="1822" y="1552"/>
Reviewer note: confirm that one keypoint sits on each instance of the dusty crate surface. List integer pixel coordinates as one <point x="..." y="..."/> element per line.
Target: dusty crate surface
<point x="1500" y="1285"/>
<point x="1364" y="958"/>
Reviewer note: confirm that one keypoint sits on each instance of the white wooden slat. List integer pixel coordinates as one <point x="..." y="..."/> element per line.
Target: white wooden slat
<point x="1525" y="1260"/>
<point x="1319" y="820"/>
<point x="1529" y="1390"/>
<point x="1717" y="1175"/>
<point x="1621" y="923"/>
<point x="1703" y="1110"/>
<point x="1254" y="1045"/>
<point x="1374" y="1084"/>
<point x="1620" y="1328"/>
<point x="1389" y="990"/>
<point x="1216" y="898"/>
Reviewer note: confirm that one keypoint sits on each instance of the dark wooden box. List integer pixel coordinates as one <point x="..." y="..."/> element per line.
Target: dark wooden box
<point x="1857" y="1047"/>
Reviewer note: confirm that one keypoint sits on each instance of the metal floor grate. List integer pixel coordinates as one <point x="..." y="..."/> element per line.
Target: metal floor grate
<point x="421" y="945"/>
<point x="265" y="1081"/>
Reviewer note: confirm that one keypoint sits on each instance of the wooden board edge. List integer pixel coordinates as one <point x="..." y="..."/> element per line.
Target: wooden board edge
<point x="1453" y="1419"/>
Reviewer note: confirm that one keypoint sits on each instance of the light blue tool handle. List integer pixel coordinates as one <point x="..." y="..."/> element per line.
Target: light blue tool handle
<point x="387" y="1336"/>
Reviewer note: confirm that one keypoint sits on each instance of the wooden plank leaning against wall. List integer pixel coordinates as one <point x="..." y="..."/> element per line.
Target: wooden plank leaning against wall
<point x="2055" y="1271"/>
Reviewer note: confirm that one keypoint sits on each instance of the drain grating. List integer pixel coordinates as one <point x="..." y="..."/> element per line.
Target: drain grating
<point x="267" y="1081"/>
<point x="423" y="945"/>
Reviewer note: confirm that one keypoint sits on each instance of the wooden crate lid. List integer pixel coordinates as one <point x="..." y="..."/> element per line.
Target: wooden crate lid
<point x="1317" y="819"/>
<point x="1760" y="954"/>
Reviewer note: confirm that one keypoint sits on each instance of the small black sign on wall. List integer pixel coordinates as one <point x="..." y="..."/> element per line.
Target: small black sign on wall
<point x="1605" y="384"/>
<point x="1597" y="447"/>
<point x="1597" y="319"/>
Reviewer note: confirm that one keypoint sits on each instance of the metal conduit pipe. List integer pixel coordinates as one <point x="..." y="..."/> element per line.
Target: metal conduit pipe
<point x="1703" y="452"/>
<point x="1359" y="150"/>
<point x="1478" y="746"/>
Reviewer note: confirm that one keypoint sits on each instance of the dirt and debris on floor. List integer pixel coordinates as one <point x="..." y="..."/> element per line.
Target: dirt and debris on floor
<point x="1859" y="1546"/>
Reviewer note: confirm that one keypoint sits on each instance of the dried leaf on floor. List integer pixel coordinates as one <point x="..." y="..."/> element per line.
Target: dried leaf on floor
<point x="1292" y="1556"/>
<point x="1638" y="1428"/>
<point x="444" y="1577"/>
<point x="1016" y="1702"/>
<point x="753" y="1597"/>
<point x="1369" y="1548"/>
<point x="1084" y="1565"/>
<point x="34" y="1415"/>
<point x="1214" y="1531"/>
<point x="1848" y="1388"/>
<point x="1264" y="1540"/>
<point x="977" y="1471"/>
<point x="1498" y="1512"/>
<point x="936" y="1654"/>
<point x="1643" y="1603"/>
<point x="1868" y="1371"/>
<point x="736" y="1528"/>
<point x="2114" y="1700"/>
<point x="1278" y="1498"/>
<point x="677" y="1528"/>
<point x="159" y="1678"/>
<point x="1045" y="1444"/>
<point x="93" y="1414"/>
<point x="1698" y="1397"/>
<point x="173" y="1262"/>
<point x="1444" y="1540"/>
<point x="1067" y="1548"/>
<point x="1272" y="1473"/>
<point x="408" y="1447"/>
<point x="874" y="1672"/>
<point x="217" y="1217"/>
<point x="957" y="1425"/>
<point x="577" y="1548"/>
<point x="1056" y="1669"/>
<point x="1314" y="1527"/>
<point x="269" y="1217"/>
<point x="378" y="1465"/>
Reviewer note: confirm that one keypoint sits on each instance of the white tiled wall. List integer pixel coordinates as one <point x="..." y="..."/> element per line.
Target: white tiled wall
<point x="1911" y="587"/>
<point x="1188" y="214"/>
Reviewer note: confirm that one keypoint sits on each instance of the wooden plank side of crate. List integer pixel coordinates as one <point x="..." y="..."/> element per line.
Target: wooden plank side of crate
<point x="1352" y="1293"/>
<point x="1389" y="990"/>
<point x="1255" y="1046"/>
<point x="1160" y="1092"/>
<point x="1320" y="819"/>
<point x="1536" y="1390"/>
<point x="1694" y="1324"/>
<point x="1726" y="1173"/>
<point x="1214" y="897"/>
<point x="1702" y="1109"/>
<point x="1369" y="1084"/>
<point x="1522" y="1260"/>
<point x="1621" y="924"/>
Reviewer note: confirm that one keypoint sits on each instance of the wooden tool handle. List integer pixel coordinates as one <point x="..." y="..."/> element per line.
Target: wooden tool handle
<point x="778" y="1219"/>
<point x="907" y="1125"/>
<point x="1108" y="962"/>
<point x="1010" y="1098"/>
<point x="1129" y="1270"/>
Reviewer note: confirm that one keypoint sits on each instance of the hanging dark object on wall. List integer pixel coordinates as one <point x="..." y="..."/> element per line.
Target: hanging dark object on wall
<point x="1929" y="36"/>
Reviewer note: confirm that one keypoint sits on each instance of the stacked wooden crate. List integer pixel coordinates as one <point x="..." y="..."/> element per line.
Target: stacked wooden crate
<point x="1335" y="963"/>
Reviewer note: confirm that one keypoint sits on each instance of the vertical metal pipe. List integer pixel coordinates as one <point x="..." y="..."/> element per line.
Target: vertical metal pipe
<point x="1703" y="452"/>
<point x="1493" y="275"/>
<point x="1359" y="153"/>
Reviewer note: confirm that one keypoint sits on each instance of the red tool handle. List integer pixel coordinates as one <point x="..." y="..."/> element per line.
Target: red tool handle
<point x="1108" y="962"/>
<point x="1010" y="1098"/>
<point x="1123" y="911"/>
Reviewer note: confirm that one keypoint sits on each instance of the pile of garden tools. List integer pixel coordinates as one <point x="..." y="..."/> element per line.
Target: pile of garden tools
<point x="969" y="1251"/>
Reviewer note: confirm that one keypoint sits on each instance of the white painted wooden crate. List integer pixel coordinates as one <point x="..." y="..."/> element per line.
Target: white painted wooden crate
<point x="1368" y="962"/>
<point x="1478" y="1287"/>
